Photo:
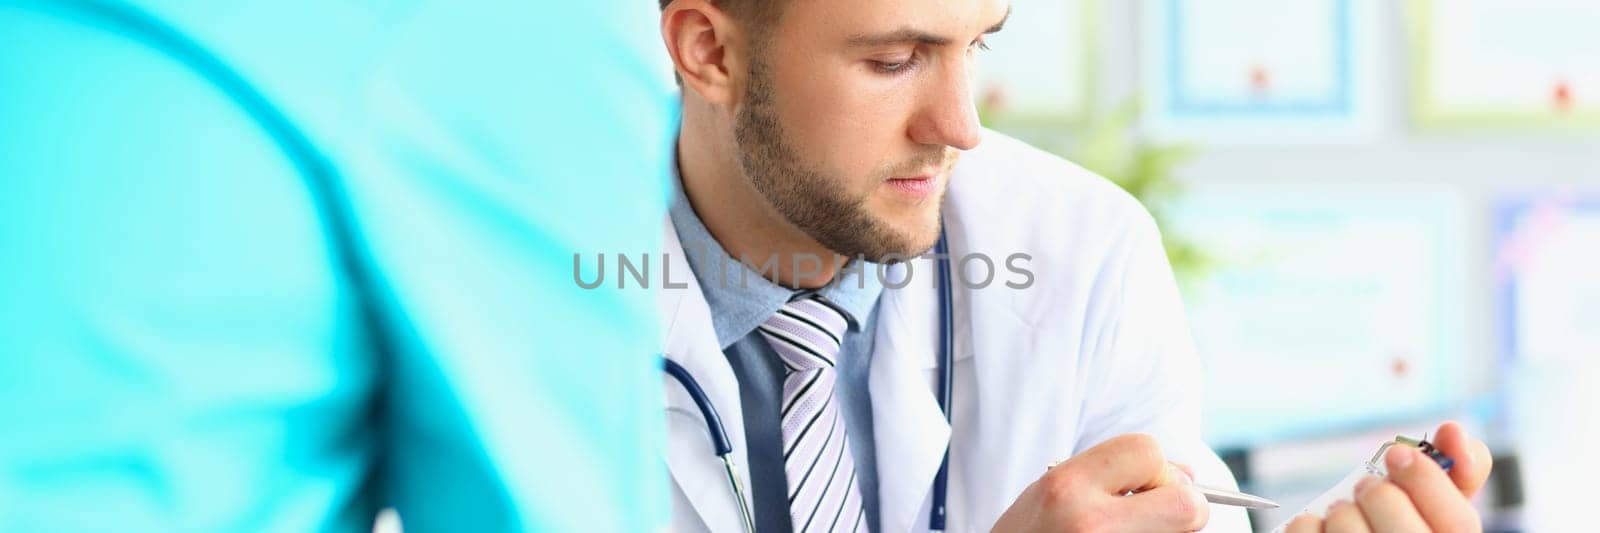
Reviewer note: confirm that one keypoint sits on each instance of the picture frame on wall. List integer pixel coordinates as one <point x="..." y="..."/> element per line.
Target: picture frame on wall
<point x="1548" y="301"/>
<point x="1505" y="63"/>
<point x="1259" y="71"/>
<point x="1365" y="287"/>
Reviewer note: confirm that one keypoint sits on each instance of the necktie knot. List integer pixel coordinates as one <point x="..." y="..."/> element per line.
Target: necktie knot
<point x="807" y="333"/>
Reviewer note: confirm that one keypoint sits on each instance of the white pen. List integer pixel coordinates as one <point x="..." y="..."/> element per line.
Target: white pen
<point x="1223" y="496"/>
<point x="1236" y="499"/>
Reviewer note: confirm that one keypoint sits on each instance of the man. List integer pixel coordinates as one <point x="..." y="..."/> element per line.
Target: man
<point x="824" y="139"/>
<point x="274" y="266"/>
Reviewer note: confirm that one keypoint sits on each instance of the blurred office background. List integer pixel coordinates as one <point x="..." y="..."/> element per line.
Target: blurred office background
<point x="1384" y="214"/>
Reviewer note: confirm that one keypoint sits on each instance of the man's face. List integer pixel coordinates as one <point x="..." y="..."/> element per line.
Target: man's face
<point x="854" y="113"/>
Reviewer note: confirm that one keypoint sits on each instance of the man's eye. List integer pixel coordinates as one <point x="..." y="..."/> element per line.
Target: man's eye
<point x="891" y="67"/>
<point x="980" y="45"/>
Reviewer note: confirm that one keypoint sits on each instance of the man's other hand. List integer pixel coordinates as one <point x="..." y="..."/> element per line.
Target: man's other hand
<point x="1418" y="496"/>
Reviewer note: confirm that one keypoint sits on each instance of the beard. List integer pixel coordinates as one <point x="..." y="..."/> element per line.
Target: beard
<point x="816" y="202"/>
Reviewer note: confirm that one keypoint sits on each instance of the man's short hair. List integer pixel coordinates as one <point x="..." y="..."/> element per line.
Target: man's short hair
<point x="758" y="14"/>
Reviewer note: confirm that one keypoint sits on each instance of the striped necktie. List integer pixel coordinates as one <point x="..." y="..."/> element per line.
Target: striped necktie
<point x="823" y="495"/>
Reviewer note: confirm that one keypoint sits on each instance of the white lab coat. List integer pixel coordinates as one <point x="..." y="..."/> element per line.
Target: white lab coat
<point x="1097" y="347"/>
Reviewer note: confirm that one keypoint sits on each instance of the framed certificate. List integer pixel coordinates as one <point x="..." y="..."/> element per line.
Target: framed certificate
<point x="1506" y="62"/>
<point x="1258" y="70"/>
<point x="1038" y="71"/>
<point x="1327" y="309"/>
<point x="1548" y="265"/>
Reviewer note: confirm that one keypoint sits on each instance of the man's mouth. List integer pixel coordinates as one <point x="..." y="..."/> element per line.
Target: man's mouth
<point x="915" y="187"/>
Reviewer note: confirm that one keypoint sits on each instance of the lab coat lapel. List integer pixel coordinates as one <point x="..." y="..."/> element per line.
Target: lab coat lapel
<point x="909" y="428"/>
<point x="690" y="340"/>
<point x="990" y="336"/>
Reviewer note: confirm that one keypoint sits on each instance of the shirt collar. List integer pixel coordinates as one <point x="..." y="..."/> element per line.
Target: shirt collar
<point x="741" y="298"/>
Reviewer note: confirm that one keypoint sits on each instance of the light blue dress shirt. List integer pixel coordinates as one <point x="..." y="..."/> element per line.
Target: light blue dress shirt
<point x="740" y="300"/>
<point x="275" y="265"/>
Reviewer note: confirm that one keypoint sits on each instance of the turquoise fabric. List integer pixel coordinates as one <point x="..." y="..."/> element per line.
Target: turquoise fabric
<point x="273" y="266"/>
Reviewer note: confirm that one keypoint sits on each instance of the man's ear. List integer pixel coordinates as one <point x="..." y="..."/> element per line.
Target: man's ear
<point x="698" y="36"/>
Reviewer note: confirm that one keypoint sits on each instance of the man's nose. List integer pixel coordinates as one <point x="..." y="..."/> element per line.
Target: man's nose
<point x="950" y="116"/>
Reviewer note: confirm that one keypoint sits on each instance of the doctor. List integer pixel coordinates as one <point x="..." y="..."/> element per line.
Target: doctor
<point x="825" y="140"/>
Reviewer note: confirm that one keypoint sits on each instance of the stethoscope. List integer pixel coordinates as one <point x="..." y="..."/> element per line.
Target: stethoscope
<point x="941" y="481"/>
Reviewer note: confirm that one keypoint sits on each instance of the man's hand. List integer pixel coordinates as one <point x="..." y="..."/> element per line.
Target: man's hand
<point x="1090" y="493"/>
<point x="1417" y="496"/>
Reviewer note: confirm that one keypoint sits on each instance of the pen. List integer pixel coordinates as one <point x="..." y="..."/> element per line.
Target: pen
<point x="1223" y="496"/>
<point x="1236" y="499"/>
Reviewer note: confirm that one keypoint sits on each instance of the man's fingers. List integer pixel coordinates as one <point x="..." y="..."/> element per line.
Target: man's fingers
<point x="1472" y="458"/>
<point x="1125" y="463"/>
<point x="1188" y="472"/>
<point x="1304" y="524"/>
<point x="1436" y="498"/>
<point x="1387" y="508"/>
<point x="1169" y="508"/>
<point x="1345" y="517"/>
